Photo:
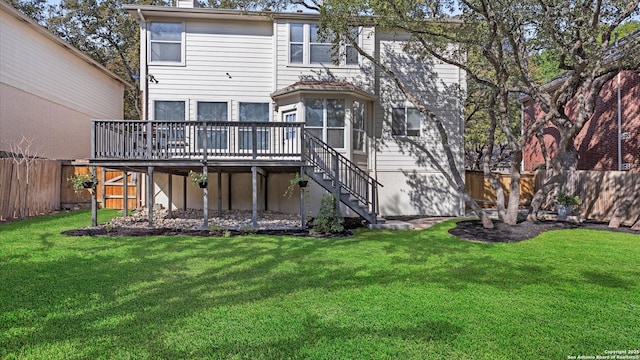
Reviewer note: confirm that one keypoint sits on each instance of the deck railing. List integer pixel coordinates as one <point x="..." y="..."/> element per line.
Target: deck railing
<point x="151" y="140"/>
<point x="345" y="176"/>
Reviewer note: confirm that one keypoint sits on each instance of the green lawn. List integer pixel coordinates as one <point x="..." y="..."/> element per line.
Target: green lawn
<point x="379" y="294"/>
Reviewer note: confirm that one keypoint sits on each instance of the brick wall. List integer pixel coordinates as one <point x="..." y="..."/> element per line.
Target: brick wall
<point x="597" y="143"/>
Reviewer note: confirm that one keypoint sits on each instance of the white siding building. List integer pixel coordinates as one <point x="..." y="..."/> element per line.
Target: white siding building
<point x="211" y="67"/>
<point x="50" y="91"/>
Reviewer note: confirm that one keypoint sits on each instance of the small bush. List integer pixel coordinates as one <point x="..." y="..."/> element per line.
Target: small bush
<point x="328" y="221"/>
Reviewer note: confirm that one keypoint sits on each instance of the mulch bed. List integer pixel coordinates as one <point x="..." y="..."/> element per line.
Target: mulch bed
<point x="474" y="231"/>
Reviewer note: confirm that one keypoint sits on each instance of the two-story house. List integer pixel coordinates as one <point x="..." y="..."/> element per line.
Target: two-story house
<point x="251" y="98"/>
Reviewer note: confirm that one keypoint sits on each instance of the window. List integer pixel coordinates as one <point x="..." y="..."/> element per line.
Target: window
<point x="324" y="118"/>
<point x="358" y="126"/>
<point x="166" y="42"/>
<point x="405" y="122"/>
<point x="216" y="136"/>
<point x="296" y="43"/>
<point x="254" y="112"/>
<point x="173" y="135"/>
<point x="350" y="52"/>
<point x="319" y="48"/>
<point x="307" y="46"/>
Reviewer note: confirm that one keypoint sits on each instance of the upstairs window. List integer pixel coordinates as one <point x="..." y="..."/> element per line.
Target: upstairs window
<point x="319" y="47"/>
<point x="166" y="42"/>
<point x="406" y="122"/>
<point x="296" y="43"/>
<point x="308" y="46"/>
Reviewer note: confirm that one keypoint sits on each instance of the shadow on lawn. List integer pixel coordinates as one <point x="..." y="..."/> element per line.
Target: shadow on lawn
<point x="103" y="289"/>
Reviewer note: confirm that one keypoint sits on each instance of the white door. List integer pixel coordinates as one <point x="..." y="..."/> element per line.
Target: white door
<point x="291" y="135"/>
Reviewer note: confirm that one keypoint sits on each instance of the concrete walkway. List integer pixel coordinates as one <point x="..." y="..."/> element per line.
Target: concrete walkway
<point x="415" y="224"/>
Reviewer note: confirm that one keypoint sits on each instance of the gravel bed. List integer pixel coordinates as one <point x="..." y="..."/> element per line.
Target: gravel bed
<point x="191" y="219"/>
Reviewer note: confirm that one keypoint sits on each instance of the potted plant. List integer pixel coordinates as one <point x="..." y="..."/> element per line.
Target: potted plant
<point x="298" y="180"/>
<point x="565" y="204"/>
<point x="83" y="181"/>
<point x="200" y="179"/>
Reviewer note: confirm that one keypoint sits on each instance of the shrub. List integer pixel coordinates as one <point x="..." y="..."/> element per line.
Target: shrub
<point x="328" y="221"/>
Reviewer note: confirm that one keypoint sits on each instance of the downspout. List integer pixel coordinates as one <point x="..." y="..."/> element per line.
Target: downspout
<point x="619" y="126"/>
<point x="143" y="45"/>
<point x="145" y="115"/>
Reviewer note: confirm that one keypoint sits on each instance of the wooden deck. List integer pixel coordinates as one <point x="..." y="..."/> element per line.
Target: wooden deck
<point x="176" y="146"/>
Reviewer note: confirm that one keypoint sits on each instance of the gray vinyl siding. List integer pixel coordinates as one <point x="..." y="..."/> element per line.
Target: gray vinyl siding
<point x="288" y="74"/>
<point x="436" y="84"/>
<point x="230" y="61"/>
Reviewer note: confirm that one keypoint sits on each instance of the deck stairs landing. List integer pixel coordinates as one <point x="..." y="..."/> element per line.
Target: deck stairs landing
<point x="334" y="172"/>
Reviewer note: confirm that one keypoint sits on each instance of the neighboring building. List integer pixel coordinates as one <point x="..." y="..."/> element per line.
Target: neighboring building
<point x="50" y="91"/>
<point x="267" y="98"/>
<point x="609" y="141"/>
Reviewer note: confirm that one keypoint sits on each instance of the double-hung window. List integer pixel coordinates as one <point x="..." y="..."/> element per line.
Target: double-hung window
<point x="296" y="43"/>
<point x="166" y="42"/>
<point x="406" y="122"/>
<point x="216" y="136"/>
<point x="254" y="112"/>
<point x="324" y="118"/>
<point x="308" y="46"/>
<point x="319" y="47"/>
<point x="170" y="135"/>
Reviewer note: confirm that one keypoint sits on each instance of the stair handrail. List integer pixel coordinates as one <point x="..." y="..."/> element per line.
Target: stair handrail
<point x="342" y="171"/>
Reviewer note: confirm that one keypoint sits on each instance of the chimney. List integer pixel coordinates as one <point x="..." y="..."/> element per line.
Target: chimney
<point x="187" y="4"/>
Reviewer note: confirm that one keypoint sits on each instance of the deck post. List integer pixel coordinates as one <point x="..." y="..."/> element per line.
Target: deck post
<point x="125" y="190"/>
<point x="219" y="193"/>
<point x="184" y="193"/>
<point x="94" y="200"/>
<point x="170" y="205"/>
<point x="229" y="191"/>
<point x="150" y="194"/>
<point x="205" y="196"/>
<point x="254" y="213"/>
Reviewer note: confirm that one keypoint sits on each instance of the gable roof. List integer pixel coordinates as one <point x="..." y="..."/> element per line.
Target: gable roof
<point x="7" y="8"/>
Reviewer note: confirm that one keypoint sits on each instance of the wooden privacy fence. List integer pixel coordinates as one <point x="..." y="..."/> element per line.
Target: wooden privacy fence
<point x="40" y="196"/>
<point x="110" y="189"/>
<point x="485" y="195"/>
<point x="49" y="190"/>
<point x="603" y="193"/>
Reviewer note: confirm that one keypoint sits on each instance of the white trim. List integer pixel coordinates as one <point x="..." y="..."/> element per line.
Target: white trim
<point x="183" y="45"/>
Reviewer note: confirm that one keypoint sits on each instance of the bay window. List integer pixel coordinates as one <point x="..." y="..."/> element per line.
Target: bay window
<point x="358" y="126"/>
<point x="325" y="118"/>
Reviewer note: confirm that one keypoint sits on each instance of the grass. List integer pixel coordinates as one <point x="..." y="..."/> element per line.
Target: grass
<point x="379" y="294"/>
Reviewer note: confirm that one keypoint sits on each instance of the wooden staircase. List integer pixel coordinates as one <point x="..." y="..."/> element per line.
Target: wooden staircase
<point x="341" y="177"/>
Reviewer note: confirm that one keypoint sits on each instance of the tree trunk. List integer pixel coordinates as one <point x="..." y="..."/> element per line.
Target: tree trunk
<point x="511" y="215"/>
